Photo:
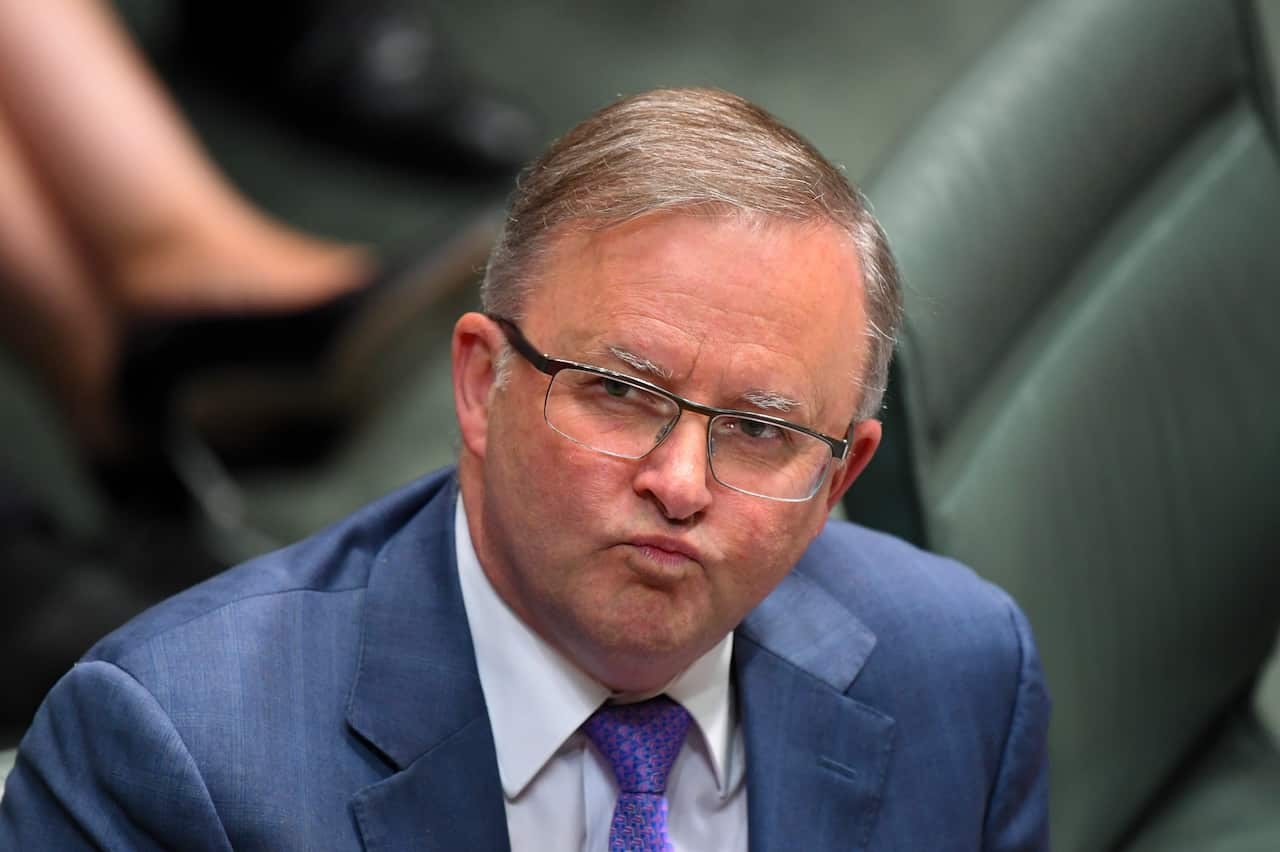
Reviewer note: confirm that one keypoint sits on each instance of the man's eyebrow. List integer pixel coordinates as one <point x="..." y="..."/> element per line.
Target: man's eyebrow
<point x="757" y="397"/>
<point x="636" y="362"/>
<point x="771" y="400"/>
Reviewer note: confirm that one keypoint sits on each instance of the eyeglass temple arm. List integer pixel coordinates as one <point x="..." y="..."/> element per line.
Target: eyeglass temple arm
<point x="522" y="345"/>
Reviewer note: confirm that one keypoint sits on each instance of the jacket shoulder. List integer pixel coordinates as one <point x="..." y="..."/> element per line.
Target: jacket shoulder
<point x="939" y="627"/>
<point x="336" y="559"/>
<point x="894" y="586"/>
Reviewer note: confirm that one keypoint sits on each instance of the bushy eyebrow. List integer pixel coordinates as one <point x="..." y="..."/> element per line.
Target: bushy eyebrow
<point x="758" y="398"/>
<point x="771" y="400"/>
<point x="639" y="362"/>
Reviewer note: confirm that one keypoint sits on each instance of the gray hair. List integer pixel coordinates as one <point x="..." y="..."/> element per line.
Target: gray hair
<point x="696" y="150"/>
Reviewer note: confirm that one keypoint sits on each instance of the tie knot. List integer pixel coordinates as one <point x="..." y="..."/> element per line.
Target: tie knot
<point x="640" y="741"/>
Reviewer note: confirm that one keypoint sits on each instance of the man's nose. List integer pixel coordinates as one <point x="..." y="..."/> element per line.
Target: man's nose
<point x="676" y="473"/>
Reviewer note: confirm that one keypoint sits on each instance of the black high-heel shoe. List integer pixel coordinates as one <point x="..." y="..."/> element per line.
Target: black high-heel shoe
<point x="371" y="75"/>
<point x="278" y="387"/>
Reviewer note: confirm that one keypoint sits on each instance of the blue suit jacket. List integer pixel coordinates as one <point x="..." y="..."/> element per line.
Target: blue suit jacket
<point x="326" y="697"/>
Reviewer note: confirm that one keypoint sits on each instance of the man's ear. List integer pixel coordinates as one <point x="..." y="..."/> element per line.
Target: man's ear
<point x="863" y="442"/>
<point x="477" y="342"/>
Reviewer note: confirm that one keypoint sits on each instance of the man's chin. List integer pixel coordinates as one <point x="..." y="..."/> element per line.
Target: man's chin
<point x="646" y="646"/>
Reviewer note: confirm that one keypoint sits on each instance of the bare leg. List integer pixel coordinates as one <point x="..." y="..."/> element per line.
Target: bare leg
<point x="49" y="309"/>
<point x="111" y="209"/>
<point x="159" y="227"/>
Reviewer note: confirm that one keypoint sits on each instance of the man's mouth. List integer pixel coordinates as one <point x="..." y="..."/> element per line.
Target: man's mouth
<point x="666" y="551"/>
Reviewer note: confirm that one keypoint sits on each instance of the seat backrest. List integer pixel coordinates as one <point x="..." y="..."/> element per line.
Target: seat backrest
<point x="1088" y="227"/>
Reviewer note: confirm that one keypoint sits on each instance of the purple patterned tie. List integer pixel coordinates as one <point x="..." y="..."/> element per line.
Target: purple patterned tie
<point x="640" y="741"/>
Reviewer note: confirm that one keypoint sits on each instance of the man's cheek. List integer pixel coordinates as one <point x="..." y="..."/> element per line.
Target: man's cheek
<point x="591" y="479"/>
<point x="754" y="532"/>
<point x="766" y="548"/>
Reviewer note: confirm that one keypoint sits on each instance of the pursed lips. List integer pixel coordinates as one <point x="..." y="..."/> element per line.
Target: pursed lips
<point x="666" y="550"/>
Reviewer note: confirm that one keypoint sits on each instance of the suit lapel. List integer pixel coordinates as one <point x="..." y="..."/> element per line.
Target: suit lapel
<point x="417" y="699"/>
<point x="441" y="801"/>
<point x="816" y="760"/>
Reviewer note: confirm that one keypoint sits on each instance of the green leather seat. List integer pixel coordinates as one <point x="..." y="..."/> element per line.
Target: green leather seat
<point x="1085" y="403"/>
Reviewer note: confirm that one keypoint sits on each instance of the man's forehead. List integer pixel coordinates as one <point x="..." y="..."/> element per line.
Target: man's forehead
<point x="777" y="311"/>
<point x="640" y="250"/>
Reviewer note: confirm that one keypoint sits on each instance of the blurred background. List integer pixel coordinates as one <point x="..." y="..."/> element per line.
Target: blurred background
<point x="1031" y="162"/>
<point x="849" y="75"/>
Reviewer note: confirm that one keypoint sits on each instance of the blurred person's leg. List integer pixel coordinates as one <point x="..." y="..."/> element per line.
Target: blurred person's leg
<point x="51" y="311"/>
<point x="113" y="210"/>
<point x="159" y="222"/>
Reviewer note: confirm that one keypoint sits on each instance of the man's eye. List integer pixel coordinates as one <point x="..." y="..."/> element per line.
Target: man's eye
<point x="615" y="388"/>
<point x="756" y="429"/>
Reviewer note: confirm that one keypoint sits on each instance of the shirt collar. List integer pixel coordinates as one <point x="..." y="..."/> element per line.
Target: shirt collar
<point x="537" y="699"/>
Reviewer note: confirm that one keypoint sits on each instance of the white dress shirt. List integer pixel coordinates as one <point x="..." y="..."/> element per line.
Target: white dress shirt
<point x="558" y="791"/>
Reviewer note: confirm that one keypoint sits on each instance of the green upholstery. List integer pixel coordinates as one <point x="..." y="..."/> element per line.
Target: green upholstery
<point x="1089" y="231"/>
<point x="1226" y="802"/>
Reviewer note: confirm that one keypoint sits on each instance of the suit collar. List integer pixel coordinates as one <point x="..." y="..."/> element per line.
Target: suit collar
<point x="816" y="760"/>
<point x="417" y="697"/>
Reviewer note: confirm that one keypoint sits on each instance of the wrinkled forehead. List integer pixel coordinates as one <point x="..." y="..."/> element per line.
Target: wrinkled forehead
<point x="765" y="296"/>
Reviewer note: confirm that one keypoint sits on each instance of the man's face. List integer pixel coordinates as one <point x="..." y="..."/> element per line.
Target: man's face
<point x="634" y="568"/>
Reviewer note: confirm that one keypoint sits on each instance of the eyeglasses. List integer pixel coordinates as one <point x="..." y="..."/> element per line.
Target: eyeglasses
<point x="626" y="417"/>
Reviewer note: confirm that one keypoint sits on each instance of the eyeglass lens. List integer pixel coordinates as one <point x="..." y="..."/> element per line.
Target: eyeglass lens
<point x="615" y="417"/>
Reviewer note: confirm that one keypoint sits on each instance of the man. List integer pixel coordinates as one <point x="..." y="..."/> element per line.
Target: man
<point x="687" y="326"/>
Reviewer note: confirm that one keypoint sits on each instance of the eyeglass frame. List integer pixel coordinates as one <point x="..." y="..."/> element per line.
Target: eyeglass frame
<point x="551" y="366"/>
